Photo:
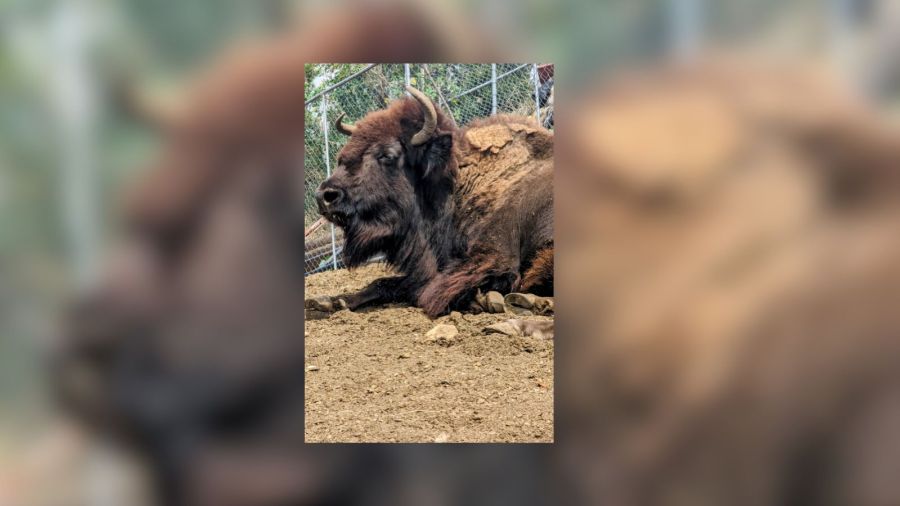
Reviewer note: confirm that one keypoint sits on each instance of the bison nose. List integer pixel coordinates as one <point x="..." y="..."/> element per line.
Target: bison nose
<point x="329" y="196"/>
<point x="332" y="196"/>
<point x="93" y="323"/>
<point x="83" y="359"/>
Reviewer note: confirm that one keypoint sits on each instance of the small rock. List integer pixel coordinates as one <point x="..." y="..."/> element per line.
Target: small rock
<point x="506" y="328"/>
<point x="494" y="302"/>
<point x="540" y="329"/>
<point x="442" y="330"/>
<point x="443" y="334"/>
<point x="443" y="437"/>
<point x="312" y="368"/>
<point x="404" y="355"/>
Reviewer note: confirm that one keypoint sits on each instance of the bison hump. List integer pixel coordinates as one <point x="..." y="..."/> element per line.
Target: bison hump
<point x="492" y="138"/>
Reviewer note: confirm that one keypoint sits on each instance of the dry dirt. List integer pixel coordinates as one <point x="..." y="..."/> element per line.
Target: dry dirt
<point x="376" y="378"/>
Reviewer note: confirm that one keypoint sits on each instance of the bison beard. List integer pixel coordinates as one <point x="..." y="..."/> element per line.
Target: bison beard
<point x="453" y="211"/>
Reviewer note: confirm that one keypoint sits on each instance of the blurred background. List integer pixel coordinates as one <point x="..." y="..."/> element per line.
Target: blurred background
<point x="65" y="148"/>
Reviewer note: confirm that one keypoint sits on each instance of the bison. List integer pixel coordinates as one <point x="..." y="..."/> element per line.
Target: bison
<point x="453" y="210"/>
<point x="731" y="279"/>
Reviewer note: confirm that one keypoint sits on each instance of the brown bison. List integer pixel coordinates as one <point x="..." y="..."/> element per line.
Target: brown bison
<point x="453" y="210"/>
<point x="731" y="272"/>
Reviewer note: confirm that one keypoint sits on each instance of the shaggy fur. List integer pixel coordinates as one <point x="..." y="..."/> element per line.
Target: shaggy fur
<point x="469" y="210"/>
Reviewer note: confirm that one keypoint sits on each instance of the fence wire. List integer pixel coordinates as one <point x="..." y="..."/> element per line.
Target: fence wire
<point x="464" y="91"/>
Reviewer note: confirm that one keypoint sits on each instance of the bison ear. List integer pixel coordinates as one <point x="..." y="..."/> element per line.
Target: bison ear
<point x="437" y="155"/>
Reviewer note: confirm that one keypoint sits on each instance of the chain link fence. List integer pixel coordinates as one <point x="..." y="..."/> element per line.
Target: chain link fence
<point x="464" y="91"/>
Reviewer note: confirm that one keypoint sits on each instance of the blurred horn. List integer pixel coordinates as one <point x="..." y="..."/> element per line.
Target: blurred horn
<point x="152" y="109"/>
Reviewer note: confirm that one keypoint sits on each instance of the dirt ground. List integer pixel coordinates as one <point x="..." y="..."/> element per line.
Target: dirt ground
<point x="372" y="376"/>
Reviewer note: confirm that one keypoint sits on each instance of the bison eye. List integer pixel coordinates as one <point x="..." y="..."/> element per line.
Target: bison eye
<point x="387" y="159"/>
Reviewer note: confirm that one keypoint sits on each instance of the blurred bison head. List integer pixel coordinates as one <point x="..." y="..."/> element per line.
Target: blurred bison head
<point x="396" y="169"/>
<point x="193" y="334"/>
<point x="190" y="346"/>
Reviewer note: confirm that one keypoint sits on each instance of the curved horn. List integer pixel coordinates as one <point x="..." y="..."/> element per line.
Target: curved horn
<point x="344" y="128"/>
<point x="430" y="113"/>
<point x="159" y="111"/>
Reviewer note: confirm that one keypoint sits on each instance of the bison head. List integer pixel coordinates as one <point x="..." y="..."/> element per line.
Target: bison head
<point x="192" y="335"/>
<point x="396" y="171"/>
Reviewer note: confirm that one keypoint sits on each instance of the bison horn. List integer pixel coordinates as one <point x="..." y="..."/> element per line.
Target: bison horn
<point x="158" y="111"/>
<point x="430" y="113"/>
<point x="344" y="128"/>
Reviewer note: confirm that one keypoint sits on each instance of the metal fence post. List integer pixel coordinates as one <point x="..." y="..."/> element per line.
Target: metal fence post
<point x="406" y="73"/>
<point x="328" y="173"/>
<point x="493" y="88"/>
<point x="686" y="26"/>
<point x="537" y="93"/>
<point x="76" y="117"/>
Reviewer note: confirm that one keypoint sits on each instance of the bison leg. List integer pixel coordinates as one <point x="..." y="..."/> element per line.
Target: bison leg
<point x="538" y="278"/>
<point x="380" y="291"/>
<point x="529" y="303"/>
<point x="457" y="290"/>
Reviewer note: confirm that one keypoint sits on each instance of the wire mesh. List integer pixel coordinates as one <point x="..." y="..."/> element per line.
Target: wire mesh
<point x="465" y="91"/>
